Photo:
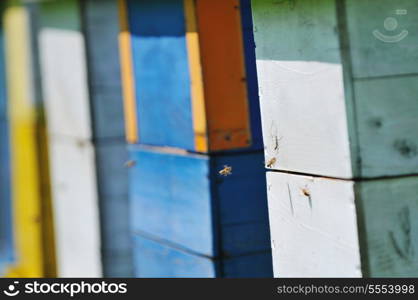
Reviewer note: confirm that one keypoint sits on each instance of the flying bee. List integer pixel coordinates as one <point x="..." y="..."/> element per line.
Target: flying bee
<point x="226" y="171"/>
<point x="130" y="163"/>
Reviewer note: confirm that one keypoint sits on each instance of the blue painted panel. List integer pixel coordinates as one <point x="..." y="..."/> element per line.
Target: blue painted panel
<point x="6" y="238"/>
<point x="161" y="70"/>
<point x="248" y="266"/>
<point x="242" y="239"/>
<point x="252" y="80"/>
<point x="181" y="198"/>
<point x="156" y="260"/>
<point x="171" y="198"/>
<point x="242" y="195"/>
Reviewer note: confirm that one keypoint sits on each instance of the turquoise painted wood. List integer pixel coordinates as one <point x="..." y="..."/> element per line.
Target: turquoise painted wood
<point x="182" y="198"/>
<point x="6" y="236"/>
<point x="159" y="260"/>
<point x="101" y="28"/>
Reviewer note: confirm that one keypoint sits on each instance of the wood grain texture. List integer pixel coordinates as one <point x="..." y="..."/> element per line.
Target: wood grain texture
<point x="313" y="227"/>
<point x="301" y="87"/>
<point x="196" y="207"/>
<point x="63" y="70"/>
<point x="129" y="95"/>
<point x="101" y="28"/>
<point x="158" y="260"/>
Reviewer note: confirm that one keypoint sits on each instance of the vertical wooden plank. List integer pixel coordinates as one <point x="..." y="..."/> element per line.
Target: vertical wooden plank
<point x="6" y="233"/>
<point x="196" y="77"/>
<point x="63" y="70"/>
<point x="101" y="27"/>
<point x="224" y="75"/>
<point x="25" y="169"/>
<point x="129" y="95"/>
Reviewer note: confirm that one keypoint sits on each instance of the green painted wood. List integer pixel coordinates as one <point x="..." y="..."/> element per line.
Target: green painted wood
<point x="380" y="55"/>
<point x="387" y="115"/>
<point x="322" y="64"/>
<point x="322" y="114"/>
<point x="389" y="227"/>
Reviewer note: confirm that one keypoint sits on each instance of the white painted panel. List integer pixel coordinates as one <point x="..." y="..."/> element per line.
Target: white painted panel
<point x="301" y="87"/>
<point x="313" y="226"/>
<point x="65" y="82"/>
<point x="74" y="191"/>
<point x="75" y="208"/>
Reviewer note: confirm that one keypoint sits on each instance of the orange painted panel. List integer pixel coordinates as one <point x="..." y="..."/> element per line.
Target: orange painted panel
<point x="224" y="76"/>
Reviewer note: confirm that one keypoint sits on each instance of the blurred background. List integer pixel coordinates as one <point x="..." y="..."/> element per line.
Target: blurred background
<point x="208" y="138"/>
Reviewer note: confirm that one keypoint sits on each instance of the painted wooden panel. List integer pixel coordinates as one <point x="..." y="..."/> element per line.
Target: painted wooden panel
<point x="383" y="37"/>
<point x="194" y="200"/>
<point x="201" y="106"/>
<point x="75" y="212"/>
<point x="26" y="192"/>
<point x="113" y="181"/>
<point x="224" y="75"/>
<point x="313" y="226"/>
<point x="171" y="198"/>
<point x="389" y="226"/>
<point x="155" y="259"/>
<point x="101" y="27"/>
<point x="63" y="70"/>
<point x="301" y="87"/>
<point x="63" y="64"/>
<point x="387" y="110"/>
<point x="6" y="234"/>
<point x="251" y="74"/>
<point x="316" y="231"/>
<point x="162" y="80"/>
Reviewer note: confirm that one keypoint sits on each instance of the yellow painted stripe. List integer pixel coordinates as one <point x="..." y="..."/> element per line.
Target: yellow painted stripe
<point x="195" y="69"/>
<point x="128" y="82"/>
<point x="25" y="180"/>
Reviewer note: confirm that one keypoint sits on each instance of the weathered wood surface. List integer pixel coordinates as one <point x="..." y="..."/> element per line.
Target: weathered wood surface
<point x="313" y="226"/>
<point x="316" y="120"/>
<point x="301" y="87"/>
<point x="64" y="81"/>
<point x="388" y="223"/>
<point x="183" y="199"/>
<point x="339" y="100"/>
